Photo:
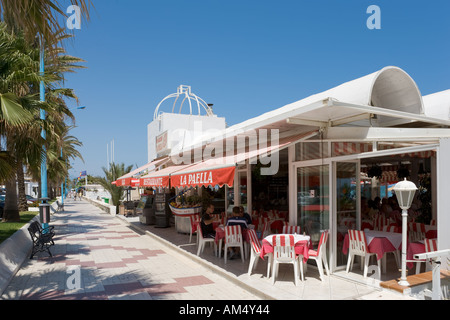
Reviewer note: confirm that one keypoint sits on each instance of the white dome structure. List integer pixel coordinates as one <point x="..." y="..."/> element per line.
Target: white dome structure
<point x="184" y="94"/>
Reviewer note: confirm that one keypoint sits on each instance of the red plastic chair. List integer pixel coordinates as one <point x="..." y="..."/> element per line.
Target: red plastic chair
<point x="416" y="232"/>
<point x="291" y="229"/>
<point x="379" y="222"/>
<point x="391" y="228"/>
<point x="320" y="256"/>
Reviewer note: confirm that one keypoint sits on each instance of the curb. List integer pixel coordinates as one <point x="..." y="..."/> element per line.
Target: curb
<point x="13" y="253"/>
<point x="204" y="263"/>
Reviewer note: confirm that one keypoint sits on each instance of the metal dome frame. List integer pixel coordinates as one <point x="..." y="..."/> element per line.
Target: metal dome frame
<point x="185" y="91"/>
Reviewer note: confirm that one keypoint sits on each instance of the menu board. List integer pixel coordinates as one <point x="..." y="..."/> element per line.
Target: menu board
<point x="160" y="202"/>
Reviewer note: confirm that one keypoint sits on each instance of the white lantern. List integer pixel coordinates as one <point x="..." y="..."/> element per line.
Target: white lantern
<point x="405" y="191"/>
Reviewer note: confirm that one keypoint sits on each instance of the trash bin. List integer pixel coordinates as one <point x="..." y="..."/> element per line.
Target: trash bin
<point x="44" y="212"/>
<point x="107" y="200"/>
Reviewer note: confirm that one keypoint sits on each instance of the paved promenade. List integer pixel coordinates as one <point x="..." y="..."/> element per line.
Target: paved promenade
<point x="98" y="257"/>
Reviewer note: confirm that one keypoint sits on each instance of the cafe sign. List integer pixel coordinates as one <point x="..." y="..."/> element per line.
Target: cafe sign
<point x="220" y="177"/>
<point x="162" y="143"/>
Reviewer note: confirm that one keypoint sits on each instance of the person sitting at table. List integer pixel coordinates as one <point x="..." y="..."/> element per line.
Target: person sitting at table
<point x="385" y="208"/>
<point x="245" y="215"/>
<point x="237" y="219"/>
<point x="207" y="222"/>
<point x="373" y="209"/>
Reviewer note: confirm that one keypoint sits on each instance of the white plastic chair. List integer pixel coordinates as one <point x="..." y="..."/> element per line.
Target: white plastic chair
<point x="233" y="239"/>
<point x="195" y="223"/>
<point x="291" y="229"/>
<point x="358" y="247"/>
<point x="203" y="241"/>
<point x="255" y="250"/>
<point x="320" y="256"/>
<point x="284" y="252"/>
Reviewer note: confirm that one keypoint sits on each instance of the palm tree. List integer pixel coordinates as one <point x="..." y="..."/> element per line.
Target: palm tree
<point x="17" y="102"/>
<point x="24" y="143"/>
<point x="116" y="171"/>
<point x="41" y="17"/>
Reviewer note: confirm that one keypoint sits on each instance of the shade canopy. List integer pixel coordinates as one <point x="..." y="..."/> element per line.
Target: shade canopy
<point x="128" y="180"/>
<point x="160" y="178"/>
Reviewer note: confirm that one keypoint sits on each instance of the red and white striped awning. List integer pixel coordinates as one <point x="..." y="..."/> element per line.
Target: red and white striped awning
<point x="128" y="180"/>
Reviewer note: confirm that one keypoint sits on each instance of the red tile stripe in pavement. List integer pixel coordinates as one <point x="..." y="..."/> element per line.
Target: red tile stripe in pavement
<point x="124" y="288"/>
<point x="145" y="254"/>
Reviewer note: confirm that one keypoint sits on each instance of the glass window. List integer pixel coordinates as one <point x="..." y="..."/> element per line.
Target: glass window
<point x="311" y="150"/>
<point x="313" y="200"/>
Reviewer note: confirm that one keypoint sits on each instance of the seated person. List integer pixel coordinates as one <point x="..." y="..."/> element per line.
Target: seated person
<point x="206" y="223"/>
<point x="237" y="219"/>
<point x="245" y="215"/>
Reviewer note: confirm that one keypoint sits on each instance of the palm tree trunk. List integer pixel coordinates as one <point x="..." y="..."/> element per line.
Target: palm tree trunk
<point x="23" y="205"/>
<point x="11" y="210"/>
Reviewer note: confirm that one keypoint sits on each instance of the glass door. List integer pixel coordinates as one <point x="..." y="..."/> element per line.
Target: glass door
<point x="313" y="200"/>
<point x="347" y="205"/>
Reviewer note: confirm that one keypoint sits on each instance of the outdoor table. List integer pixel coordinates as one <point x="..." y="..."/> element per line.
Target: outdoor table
<point x="302" y="243"/>
<point x="379" y="242"/>
<point x="414" y="248"/>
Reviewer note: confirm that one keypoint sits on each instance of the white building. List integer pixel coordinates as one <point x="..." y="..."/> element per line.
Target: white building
<point x="328" y="140"/>
<point x="171" y="131"/>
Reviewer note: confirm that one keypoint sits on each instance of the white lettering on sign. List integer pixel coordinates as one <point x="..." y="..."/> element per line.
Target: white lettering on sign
<point x="153" y="182"/>
<point x="197" y="178"/>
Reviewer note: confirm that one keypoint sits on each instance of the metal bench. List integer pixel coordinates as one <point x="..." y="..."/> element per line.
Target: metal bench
<point x="42" y="238"/>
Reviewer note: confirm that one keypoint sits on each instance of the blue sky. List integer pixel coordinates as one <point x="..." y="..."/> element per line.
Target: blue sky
<point x="246" y="57"/>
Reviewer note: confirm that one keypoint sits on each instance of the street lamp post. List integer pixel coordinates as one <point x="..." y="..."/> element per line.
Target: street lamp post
<point x="404" y="190"/>
<point x="43" y="206"/>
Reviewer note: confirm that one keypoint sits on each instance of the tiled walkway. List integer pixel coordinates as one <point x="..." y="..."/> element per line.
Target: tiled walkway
<point x="98" y="256"/>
